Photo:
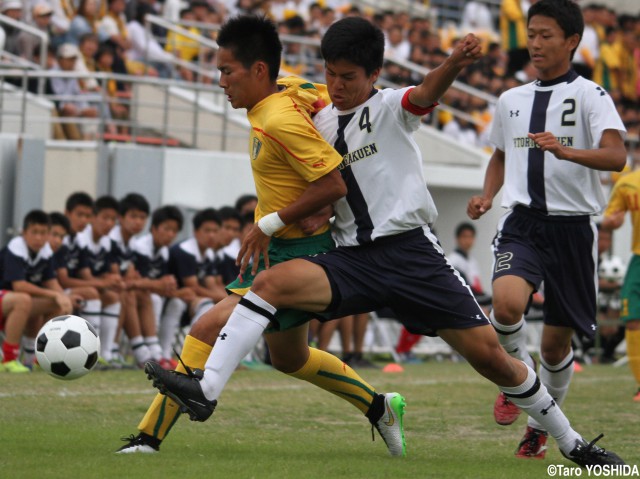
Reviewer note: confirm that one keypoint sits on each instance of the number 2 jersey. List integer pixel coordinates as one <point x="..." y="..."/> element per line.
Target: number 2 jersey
<point x="381" y="164"/>
<point x="577" y="111"/>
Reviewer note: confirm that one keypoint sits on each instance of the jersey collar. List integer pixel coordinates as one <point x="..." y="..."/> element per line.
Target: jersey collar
<point x="566" y="78"/>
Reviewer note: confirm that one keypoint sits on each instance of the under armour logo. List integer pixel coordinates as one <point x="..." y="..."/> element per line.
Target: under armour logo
<point x="601" y="90"/>
<point x="546" y="410"/>
<point x="223" y="336"/>
<point x="513" y="113"/>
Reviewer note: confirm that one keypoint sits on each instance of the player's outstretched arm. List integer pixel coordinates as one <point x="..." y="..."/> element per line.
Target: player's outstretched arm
<point x="493" y="180"/>
<point x="438" y="80"/>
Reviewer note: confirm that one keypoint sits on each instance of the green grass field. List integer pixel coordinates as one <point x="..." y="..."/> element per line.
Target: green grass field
<point x="268" y="425"/>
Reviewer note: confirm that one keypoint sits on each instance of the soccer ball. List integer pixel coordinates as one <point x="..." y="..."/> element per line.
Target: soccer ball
<point x="612" y="269"/>
<point x="67" y="347"/>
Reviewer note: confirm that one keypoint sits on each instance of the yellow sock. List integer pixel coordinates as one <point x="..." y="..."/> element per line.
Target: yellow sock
<point x="163" y="412"/>
<point x="633" y="351"/>
<point x="329" y="373"/>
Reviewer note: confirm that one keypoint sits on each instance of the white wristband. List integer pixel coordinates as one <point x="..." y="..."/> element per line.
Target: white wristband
<point x="270" y="224"/>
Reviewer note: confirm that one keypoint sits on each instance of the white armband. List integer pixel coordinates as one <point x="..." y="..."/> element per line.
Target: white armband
<point x="270" y="223"/>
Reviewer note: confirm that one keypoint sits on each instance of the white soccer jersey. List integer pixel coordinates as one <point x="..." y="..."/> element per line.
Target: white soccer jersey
<point x="375" y="138"/>
<point x="577" y="111"/>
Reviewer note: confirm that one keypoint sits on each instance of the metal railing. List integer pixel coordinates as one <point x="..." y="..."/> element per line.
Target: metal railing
<point x="204" y="43"/>
<point x="15" y="81"/>
<point x="44" y="46"/>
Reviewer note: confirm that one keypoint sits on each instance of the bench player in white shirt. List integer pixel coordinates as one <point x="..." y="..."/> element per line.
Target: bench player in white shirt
<point x="552" y="136"/>
<point x="387" y="254"/>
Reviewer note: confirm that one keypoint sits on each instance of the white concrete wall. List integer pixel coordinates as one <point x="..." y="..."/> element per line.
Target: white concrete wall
<point x="205" y="178"/>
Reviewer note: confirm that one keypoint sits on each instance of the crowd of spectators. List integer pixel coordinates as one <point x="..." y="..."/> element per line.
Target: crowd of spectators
<point x="110" y="36"/>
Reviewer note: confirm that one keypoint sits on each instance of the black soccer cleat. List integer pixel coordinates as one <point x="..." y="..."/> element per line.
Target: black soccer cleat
<point x="588" y="454"/>
<point x="184" y="389"/>
<point x="142" y="443"/>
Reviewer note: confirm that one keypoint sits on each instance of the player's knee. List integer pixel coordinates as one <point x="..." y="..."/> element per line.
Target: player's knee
<point x="506" y="312"/>
<point x="554" y="354"/>
<point x="22" y="302"/>
<point x="91" y="293"/>
<point x="266" y="285"/>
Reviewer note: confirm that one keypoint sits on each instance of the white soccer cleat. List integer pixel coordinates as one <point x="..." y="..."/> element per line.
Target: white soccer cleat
<point x="391" y="425"/>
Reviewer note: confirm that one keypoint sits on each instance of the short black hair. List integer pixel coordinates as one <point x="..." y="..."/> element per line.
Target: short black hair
<point x="565" y="12"/>
<point x="462" y="227"/>
<point x="167" y="213"/>
<point x="355" y="40"/>
<point x="243" y="200"/>
<point x="35" y="217"/>
<point x="252" y="38"/>
<point x="58" y="219"/>
<point x="229" y="213"/>
<point x="133" y="201"/>
<point x="79" y="198"/>
<point x="106" y="202"/>
<point x="202" y="216"/>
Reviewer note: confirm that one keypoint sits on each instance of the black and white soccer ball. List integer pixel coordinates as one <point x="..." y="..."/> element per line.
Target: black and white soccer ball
<point x="67" y="347"/>
<point x="612" y="269"/>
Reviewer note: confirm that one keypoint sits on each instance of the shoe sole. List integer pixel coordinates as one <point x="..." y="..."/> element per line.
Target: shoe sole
<point x="159" y="385"/>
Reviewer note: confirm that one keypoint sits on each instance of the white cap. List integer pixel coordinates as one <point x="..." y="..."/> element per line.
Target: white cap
<point x="11" y="5"/>
<point x="67" y="50"/>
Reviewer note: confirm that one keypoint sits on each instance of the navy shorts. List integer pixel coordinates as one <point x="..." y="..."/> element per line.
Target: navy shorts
<point x="408" y="273"/>
<point x="559" y="250"/>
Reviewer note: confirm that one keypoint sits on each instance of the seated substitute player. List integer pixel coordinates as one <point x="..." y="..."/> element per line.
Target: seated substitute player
<point x="387" y="254"/>
<point x="295" y="174"/>
<point x="193" y="263"/>
<point x="553" y="136"/>
<point x="230" y="231"/>
<point x="152" y="262"/>
<point x="26" y="266"/>
<point x="14" y="314"/>
<point x="91" y="306"/>
<point x="133" y="212"/>
<point x="96" y="260"/>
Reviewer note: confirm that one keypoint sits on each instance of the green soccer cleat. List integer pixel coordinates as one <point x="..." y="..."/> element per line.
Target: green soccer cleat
<point x="14" y="367"/>
<point x="391" y="425"/>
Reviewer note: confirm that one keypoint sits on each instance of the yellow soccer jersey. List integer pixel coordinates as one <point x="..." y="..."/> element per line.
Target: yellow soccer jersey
<point x="286" y="150"/>
<point x="626" y="197"/>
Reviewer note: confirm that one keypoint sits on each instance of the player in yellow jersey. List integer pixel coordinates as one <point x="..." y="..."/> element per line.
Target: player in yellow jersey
<point x="295" y="176"/>
<point x="626" y="197"/>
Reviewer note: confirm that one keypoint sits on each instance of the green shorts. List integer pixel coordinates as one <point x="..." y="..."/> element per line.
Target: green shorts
<point x="281" y="250"/>
<point x="630" y="293"/>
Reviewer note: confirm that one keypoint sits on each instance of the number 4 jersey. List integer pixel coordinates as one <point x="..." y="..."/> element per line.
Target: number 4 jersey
<point x="577" y="111"/>
<point x="380" y="160"/>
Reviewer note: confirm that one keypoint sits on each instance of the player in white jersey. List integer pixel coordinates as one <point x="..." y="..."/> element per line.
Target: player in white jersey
<point x="387" y="254"/>
<point x="552" y="138"/>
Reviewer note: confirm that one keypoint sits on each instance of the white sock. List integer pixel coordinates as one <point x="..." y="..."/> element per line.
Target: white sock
<point x="169" y="324"/>
<point x="239" y="336"/>
<point x="109" y="329"/>
<point x="556" y="379"/>
<point x="140" y="350"/>
<point x="28" y="350"/>
<point x="91" y="312"/>
<point x="513" y="339"/>
<point x="154" y="347"/>
<point x="157" y="302"/>
<point x="202" y="307"/>
<point x="532" y="397"/>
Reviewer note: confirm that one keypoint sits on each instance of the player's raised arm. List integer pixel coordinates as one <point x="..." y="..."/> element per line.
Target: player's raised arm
<point x="438" y="80"/>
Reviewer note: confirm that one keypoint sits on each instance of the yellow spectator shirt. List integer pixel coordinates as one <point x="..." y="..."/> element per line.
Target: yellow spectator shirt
<point x="626" y="197"/>
<point x="513" y="25"/>
<point x="286" y="150"/>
